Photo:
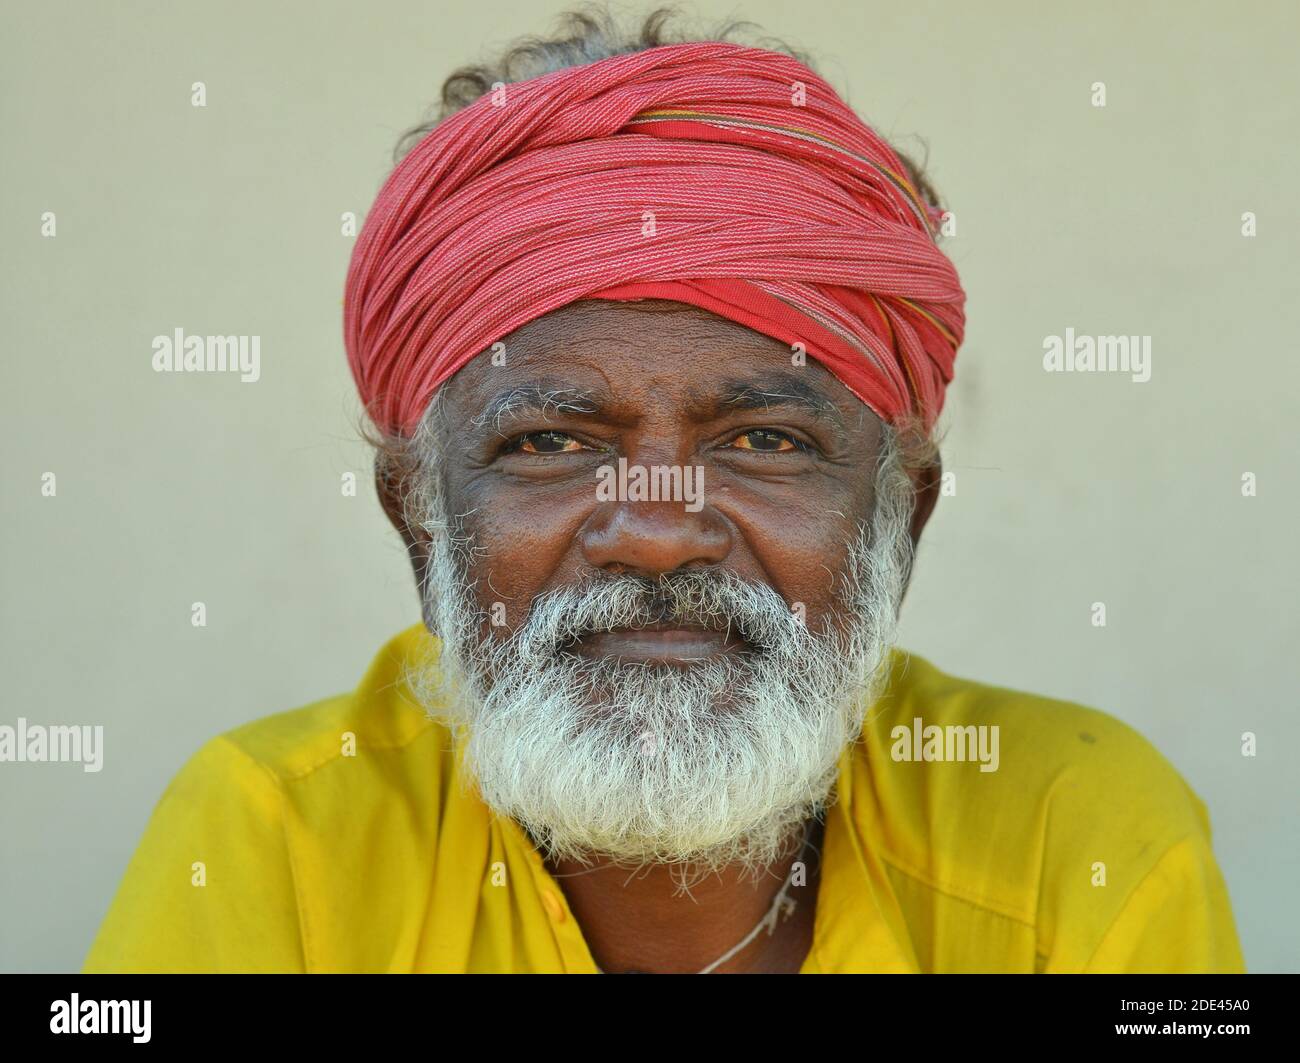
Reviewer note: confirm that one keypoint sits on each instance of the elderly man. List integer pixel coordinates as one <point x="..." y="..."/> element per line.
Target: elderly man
<point x="654" y="337"/>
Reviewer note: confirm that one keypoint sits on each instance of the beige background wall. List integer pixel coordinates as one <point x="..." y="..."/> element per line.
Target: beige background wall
<point x="1071" y="489"/>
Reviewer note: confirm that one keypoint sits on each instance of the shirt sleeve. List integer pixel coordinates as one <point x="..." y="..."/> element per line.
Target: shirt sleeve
<point x="1128" y="879"/>
<point x="1177" y="921"/>
<point x="210" y="887"/>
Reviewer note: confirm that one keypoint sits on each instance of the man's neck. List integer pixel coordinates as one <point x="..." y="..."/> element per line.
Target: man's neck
<point x="642" y="920"/>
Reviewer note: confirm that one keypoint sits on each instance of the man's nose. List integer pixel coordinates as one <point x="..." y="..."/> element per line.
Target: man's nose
<point x="651" y="538"/>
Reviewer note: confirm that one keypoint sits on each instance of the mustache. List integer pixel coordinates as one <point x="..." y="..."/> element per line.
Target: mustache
<point x="711" y="599"/>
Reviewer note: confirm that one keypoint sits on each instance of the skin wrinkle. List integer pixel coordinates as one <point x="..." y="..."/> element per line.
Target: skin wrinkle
<point x="530" y="536"/>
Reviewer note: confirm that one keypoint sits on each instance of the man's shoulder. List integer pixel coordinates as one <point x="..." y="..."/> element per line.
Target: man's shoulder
<point x="290" y="814"/>
<point x="379" y="722"/>
<point x="1041" y="735"/>
<point x="1002" y="795"/>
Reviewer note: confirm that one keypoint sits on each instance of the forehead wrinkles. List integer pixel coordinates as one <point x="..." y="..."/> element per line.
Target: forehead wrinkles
<point x="601" y="324"/>
<point x="578" y="337"/>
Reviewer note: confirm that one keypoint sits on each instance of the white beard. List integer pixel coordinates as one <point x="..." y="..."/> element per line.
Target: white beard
<point x="705" y="766"/>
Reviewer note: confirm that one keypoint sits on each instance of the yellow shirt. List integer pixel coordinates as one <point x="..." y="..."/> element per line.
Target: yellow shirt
<point x="339" y="837"/>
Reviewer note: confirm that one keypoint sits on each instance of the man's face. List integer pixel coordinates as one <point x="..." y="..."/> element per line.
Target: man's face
<point x="786" y="453"/>
<point x="665" y="680"/>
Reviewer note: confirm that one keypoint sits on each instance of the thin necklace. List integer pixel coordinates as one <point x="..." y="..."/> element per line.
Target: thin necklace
<point x="782" y="908"/>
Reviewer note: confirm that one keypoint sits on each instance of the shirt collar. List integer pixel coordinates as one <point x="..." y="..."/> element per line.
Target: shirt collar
<point x="859" y="926"/>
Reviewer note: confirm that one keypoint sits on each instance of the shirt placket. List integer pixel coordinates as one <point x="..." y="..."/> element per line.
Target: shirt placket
<point x="574" y="953"/>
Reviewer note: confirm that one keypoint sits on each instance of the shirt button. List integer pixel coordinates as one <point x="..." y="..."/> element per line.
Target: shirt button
<point x="553" y="906"/>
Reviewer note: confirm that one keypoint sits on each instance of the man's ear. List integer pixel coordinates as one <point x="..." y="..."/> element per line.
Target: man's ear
<point x="392" y="490"/>
<point x="925" y="485"/>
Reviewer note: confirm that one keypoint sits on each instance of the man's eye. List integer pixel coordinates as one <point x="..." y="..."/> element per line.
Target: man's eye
<point x="768" y="441"/>
<point x="543" y="443"/>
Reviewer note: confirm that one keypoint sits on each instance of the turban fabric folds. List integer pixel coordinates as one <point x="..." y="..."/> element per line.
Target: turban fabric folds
<point x="727" y="177"/>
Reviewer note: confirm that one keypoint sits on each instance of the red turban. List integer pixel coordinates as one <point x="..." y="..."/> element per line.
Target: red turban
<point x="727" y="177"/>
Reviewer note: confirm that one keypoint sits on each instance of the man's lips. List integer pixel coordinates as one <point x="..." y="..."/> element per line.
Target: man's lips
<point x="663" y="643"/>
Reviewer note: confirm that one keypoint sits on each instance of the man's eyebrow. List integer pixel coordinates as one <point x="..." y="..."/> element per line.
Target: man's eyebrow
<point x="776" y="390"/>
<point x="537" y="397"/>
